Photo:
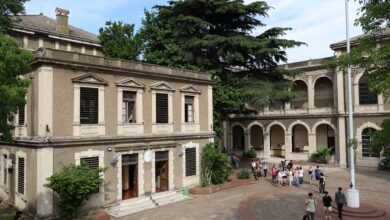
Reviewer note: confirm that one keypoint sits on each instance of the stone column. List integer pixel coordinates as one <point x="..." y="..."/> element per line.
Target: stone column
<point x="310" y="91"/>
<point x="341" y="147"/>
<point x="267" y="145"/>
<point x="287" y="106"/>
<point x="287" y="145"/>
<point x="312" y="143"/>
<point x="247" y="141"/>
<point x="340" y="92"/>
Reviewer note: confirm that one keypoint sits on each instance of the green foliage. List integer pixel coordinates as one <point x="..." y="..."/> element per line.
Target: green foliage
<point x="74" y="184"/>
<point x="14" y="62"/>
<point x="323" y="153"/>
<point x="244" y="174"/>
<point x="381" y="140"/>
<point x="215" y="165"/>
<point x="250" y="154"/>
<point x="9" y="8"/>
<point x="118" y="40"/>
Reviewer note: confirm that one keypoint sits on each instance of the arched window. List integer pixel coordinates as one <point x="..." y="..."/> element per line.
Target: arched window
<point x="366" y="97"/>
<point x="238" y="138"/>
<point x="300" y="102"/>
<point x="366" y="139"/>
<point x="323" y="92"/>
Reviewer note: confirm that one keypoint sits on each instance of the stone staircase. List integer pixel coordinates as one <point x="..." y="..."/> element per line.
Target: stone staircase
<point x="366" y="211"/>
<point x="140" y="204"/>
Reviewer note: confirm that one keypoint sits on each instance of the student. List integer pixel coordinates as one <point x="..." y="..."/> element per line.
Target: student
<point x="310" y="174"/>
<point x="265" y="168"/>
<point x="290" y="164"/>
<point x="300" y="174"/>
<point x="327" y="201"/>
<point x="340" y="200"/>
<point x="311" y="206"/>
<point x="280" y="178"/>
<point x="290" y="177"/>
<point x="321" y="183"/>
<point x="274" y="172"/>
<point x="253" y="165"/>
<point x="317" y="172"/>
<point x="296" y="176"/>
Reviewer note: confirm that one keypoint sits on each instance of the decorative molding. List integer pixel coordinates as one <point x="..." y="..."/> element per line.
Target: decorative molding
<point x="90" y="78"/>
<point x="190" y="89"/>
<point x="162" y="85"/>
<point x="131" y="83"/>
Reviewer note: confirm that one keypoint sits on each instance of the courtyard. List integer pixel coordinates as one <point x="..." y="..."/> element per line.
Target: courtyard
<point x="263" y="200"/>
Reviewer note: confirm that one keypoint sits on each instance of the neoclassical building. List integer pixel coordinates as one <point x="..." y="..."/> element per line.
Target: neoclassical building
<point x="295" y="130"/>
<point x="84" y="107"/>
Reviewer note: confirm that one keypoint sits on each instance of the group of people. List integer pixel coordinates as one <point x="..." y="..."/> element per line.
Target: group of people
<point x="311" y="203"/>
<point x="259" y="169"/>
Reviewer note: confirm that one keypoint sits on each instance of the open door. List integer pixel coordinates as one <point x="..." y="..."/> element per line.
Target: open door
<point x="162" y="171"/>
<point x="129" y="176"/>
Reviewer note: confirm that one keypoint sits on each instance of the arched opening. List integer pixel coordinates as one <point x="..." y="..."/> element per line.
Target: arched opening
<point x="325" y="136"/>
<point x="238" y="138"/>
<point x="300" y="102"/>
<point x="277" y="140"/>
<point x="323" y="92"/>
<point x="299" y="138"/>
<point x="366" y="97"/>
<point x="257" y="137"/>
<point x="366" y="139"/>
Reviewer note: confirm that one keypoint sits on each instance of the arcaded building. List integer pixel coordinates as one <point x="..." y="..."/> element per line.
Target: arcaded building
<point x="295" y="130"/>
<point x="84" y="107"/>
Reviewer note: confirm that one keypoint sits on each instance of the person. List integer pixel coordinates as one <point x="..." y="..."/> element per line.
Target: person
<point x="284" y="176"/>
<point x="290" y="164"/>
<point x="253" y="166"/>
<point x="300" y="174"/>
<point x="296" y="176"/>
<point x="280" y="178"/>
<point x="310" y="174"/>
<point x="327" y="201"/>
<point x="290" y="177"/>
<point x="18" y="215"/>
<point x="236" y="160"/>
<point x="317" y="172"/>
<point x="283" y="165"/>
<point x="340" y="200"/>
<point x="265" y="168"/>
<point x="322" y="183"/>
<point x="274" y="172"/>
<point x="311" y="206"/>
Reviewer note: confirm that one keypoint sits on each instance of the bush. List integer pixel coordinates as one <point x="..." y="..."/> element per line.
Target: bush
<point x="215" y="165"/>
<point x="74" y="184"/>
<point x="250" y="154"/>
<point x="244" y="174"/>
<point x="323" y="154"/>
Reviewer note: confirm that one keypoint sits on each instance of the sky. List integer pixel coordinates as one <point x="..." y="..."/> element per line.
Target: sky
<point x="315" y="22"/>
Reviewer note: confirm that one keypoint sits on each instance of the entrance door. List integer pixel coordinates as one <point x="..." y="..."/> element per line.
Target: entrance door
<point x="162" y="171"/>
<point x="129" y="176"/>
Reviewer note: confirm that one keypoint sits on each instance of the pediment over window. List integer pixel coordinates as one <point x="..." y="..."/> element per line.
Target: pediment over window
<point x="130" y="82"/>
<point x="162" y="86"/>
<point x="190" y="89"/>
<point x="90" y="78"/>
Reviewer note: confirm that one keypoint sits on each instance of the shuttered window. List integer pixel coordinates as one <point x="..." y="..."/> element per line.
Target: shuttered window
<point x="189" y="109"/>
<point x="366" y="139"/>
<point x="5" y="170"/>
<point x="21" y="173"/>
<point x="190" y="161"/>
<point x="161" y="108"/>
<point x="91" y="162"/>
<point x="89" y="105"/>
<point x="365" y="95"/>
<point x="21" y="116"/>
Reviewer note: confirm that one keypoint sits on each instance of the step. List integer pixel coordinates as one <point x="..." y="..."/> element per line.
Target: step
<point x="173" y="200"/>
<point x="129" y="211"/>
<point x="134" y="206"/>
<point x="377" y="214"/>
<point x="134" y="201"/>
<point x="163" y="195"/>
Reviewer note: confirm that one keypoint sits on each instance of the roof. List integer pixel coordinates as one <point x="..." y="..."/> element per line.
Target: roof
<point x="354" y="40"/>
<point x="41" y="23"/>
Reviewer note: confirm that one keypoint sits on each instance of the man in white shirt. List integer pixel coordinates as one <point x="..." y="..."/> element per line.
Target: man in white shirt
<point x="311" y="206"/>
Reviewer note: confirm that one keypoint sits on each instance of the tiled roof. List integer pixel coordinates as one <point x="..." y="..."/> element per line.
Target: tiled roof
<point x="353" y="40"/>
<point x="43" y="24"/>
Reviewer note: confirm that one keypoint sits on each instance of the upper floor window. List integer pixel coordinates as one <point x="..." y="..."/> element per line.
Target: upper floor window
<point x="21" y="175"/>
<point x="189" y="109"/>
<point x="89" y="105"/>
<point x="366" y="139"/>
<point x="162" y="108"/>
<point x="365" y="95"/>
<point x="128" y="107"/>
<point x="21" y="116"/>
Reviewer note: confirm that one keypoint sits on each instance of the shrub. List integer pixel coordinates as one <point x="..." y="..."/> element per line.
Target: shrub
<point x="250" y="154"/>
<point x="74" y="184"/>
<point x="215" y="165"/>
<point x="244" y="174"/>
<point x="323" y="154"/>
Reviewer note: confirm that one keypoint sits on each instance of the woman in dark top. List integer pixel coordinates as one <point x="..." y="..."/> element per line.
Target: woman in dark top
<point x="327" y="201"/>
<point x="322" y="183"/>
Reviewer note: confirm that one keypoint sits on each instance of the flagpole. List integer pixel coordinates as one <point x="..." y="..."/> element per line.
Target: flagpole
<point x="352" y="193"/>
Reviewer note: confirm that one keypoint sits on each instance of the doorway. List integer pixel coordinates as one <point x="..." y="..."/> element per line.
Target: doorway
<point x="162" y="171"/>
<point x="129" y="176"/>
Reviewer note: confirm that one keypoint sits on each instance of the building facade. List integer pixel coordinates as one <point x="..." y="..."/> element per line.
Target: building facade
<point x="84" y="107"/>
<point x="295" y="130"/>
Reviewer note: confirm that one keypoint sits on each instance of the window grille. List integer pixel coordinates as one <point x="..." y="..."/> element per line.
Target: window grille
<point x="366" y="139"/>
<point x="21" y="116"/>
<point x="161" y="108"/>
<point x="21" y="172"/>
<point x="190" y="161"/>
<point x="91" y="162"/>
<point x="365" y="95"/>
<point x="89" y="105"/>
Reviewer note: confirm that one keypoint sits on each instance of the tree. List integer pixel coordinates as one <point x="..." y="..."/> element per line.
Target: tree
<point x="381" y="140"/>
<point x="118" y="40"/>
<point x="74" y="184"/>
<point x="215" y="36"/>
<point x="9" y="8"/>
<point x="14" y="62"/>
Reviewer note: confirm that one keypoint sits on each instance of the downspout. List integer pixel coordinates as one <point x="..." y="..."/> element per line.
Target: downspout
<point x="32" y="105"/>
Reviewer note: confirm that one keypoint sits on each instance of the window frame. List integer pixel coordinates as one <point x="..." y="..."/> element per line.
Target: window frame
<point x="187" y="110"/>
<point x="365" y="140"/>
<point x="134" y="108"/>
<point x="166" y="111"/>
<point x="18" y="155"/>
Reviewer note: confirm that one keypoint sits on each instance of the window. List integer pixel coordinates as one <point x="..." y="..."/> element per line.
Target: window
<point x="21" y="116"/>
<point x="161" y="108"/>
<point x="366" y="139"/>
<point x="188" y="109"/>
<point x="365" y="95"/>
<point x="190" y="161"/>
<point x="4" y="170"/>
<point x="21" y="173"/>
<point x="91" y="162"/>
<point x="89" y="105"/>
<point x="128" y="107"/>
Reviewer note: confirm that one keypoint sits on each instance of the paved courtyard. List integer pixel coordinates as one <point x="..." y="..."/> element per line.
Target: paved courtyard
<point x="263" y="200"/>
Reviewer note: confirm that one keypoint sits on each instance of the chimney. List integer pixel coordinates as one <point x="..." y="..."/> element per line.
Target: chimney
<point x="62" y="21"/>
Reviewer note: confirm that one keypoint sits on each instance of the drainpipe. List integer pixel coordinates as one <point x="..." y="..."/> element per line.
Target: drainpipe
<point x="32" y="105"/>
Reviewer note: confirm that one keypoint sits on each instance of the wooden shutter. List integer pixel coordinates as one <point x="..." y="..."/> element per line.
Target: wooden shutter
<point x="91" y="162"/>
<point x="190" y="161"/>
<point x="21" y="116"/>
<point x="365" y="95"/>
<point x="21" y="172"/>
<point x="89" y="105"/>
<point x="161" y="108"/>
